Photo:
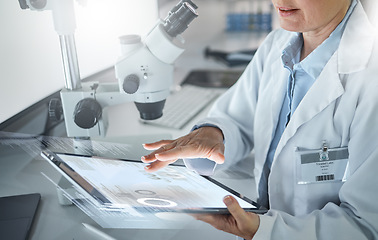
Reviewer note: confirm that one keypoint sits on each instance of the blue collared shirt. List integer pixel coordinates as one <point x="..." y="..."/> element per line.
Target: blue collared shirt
<point x="302" y="76"/>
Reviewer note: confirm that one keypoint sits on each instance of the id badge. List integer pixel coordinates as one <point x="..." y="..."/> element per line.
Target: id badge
<point x="324" y="165"/>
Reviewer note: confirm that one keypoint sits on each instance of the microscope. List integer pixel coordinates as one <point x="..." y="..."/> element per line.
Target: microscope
<point x="144" y="71"/>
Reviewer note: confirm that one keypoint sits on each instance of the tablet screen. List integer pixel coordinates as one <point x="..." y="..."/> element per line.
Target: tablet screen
<point x="120" y="183"/>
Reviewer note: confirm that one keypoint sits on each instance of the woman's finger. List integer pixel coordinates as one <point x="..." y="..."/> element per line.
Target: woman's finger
<point x="154" y="166"/>
<point x="163" y="146"/>
<point x="156" y="145"/>
<point x="189" y="151"/>
<point x="234" y="208"/>
<point x="247" y="223"/>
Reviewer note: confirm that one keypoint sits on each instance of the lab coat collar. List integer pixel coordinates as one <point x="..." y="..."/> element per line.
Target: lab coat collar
<point x="356" y="44"/>
<point x="349" y="58"/>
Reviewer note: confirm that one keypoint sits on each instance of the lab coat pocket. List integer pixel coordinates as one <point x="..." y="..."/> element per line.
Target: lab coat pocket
<point x="322" y="165"/>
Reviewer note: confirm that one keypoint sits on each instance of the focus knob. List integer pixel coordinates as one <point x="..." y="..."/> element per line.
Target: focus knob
<point x="87" y="113"/>
<point x="55" y="109"/>
<point x="131" y="84"/>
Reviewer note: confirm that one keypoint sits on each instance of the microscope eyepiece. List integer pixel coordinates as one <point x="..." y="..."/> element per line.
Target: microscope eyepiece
<point x="177" y="21"/>
<point x="175" y="8"/>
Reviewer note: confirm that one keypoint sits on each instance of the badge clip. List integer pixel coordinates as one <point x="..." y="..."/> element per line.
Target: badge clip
<point x="323" y="154"/>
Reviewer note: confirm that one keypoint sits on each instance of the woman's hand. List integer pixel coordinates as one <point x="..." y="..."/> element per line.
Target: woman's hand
<point x="239" y="222"/>
<point x="205" y="142"/>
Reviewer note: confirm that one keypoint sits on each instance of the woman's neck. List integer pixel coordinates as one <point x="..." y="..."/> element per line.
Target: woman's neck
<point x="312" y="39"/>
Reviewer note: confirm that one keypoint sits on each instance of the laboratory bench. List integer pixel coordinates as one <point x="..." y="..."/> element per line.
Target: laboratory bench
<point x="22" y="171"/>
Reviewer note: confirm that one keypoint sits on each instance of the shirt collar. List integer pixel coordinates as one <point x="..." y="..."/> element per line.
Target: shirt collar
<point x="291" y="52"/>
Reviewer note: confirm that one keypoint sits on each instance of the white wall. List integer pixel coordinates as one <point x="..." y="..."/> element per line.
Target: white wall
<point x="101" y="22"/>
<point x="30" y="65"/>
<point x="30" y="61"/>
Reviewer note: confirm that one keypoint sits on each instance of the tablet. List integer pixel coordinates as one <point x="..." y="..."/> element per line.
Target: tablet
<point x="124" y="184"/>
<point x="17" y="214"/>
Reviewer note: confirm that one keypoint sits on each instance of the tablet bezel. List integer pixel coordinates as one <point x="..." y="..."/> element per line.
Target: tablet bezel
<point x="102" y="202"/>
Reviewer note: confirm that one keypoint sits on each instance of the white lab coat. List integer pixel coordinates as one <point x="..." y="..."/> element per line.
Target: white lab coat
<point x="341" y="108"/>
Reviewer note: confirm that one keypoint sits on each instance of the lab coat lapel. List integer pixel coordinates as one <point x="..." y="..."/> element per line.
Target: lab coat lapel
<point x="326" y="89"/>
<point x="272" y="106"/>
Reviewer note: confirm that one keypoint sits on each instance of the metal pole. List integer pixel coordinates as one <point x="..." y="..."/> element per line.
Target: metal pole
<point x="70" y="62"/>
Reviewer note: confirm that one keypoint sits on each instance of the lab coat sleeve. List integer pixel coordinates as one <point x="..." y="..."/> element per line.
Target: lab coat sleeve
<point x="234" y="111"/>
<point x="356" y="216"/>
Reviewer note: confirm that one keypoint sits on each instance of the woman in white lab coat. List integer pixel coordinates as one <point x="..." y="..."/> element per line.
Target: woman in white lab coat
<point x="331" y="197"/>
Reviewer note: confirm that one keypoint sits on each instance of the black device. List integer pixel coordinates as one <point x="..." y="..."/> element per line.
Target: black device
<point x="17" y="214"/>
<point x="231" y="59"/>
<point x="212" y="78"/>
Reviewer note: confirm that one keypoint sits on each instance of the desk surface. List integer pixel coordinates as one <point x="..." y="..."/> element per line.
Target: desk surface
<point x="20" y="173"/>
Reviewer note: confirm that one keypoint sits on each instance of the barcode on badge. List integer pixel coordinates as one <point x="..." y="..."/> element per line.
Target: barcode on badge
<point x="325" y="177"/>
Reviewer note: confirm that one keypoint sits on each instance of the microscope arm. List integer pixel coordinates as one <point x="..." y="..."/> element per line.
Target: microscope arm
<point x="63" y="14"/>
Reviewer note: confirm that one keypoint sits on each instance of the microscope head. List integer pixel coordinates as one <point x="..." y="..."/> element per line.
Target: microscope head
<point x="145" y="69"/>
